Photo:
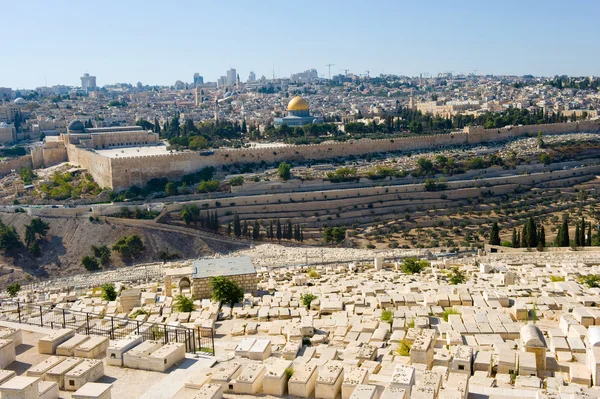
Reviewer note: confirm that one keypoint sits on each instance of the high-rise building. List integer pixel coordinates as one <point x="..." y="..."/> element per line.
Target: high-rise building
<point x="251" y="77"/>
<point x="222" y="81"/>
<point x="88" y="83"/>
<point x="231" y="77"/>
<point x="198" y="80"/>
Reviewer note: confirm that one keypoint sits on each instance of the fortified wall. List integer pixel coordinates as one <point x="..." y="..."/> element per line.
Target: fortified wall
<point x="121" y="173"/>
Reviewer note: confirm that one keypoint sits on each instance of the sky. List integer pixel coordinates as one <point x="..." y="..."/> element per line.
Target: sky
<point x="158" y="42"/>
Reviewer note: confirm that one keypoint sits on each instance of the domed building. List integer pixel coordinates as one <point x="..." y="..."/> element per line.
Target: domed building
<point x="298" y="114"/>
<point x="76" y="126"/>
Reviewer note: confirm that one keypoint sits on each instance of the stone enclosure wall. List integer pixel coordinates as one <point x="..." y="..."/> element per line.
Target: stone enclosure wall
<point x="201" y="286"/>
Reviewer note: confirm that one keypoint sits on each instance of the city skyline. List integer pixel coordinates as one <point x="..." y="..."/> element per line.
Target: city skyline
<point x="143" y="42"/>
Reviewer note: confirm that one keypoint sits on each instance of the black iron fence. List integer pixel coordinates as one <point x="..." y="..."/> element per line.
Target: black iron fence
<point x="109" y="326"/>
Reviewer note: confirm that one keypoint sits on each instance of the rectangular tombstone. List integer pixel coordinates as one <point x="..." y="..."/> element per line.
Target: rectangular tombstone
<point x="48" y="390"/>
<point x="198" y="379"/>
<point x="393" y="392"/>
<point x="225" y="373"/>
<point x="48" y="344"/>
<point x="136" y="356"/>
<point x="7" y="352"/>
<point x="116" y="349"/>
<point x="353" y="377"/>
<point x="291" y="349"/>
<point x="329" y="381"/>
<point x="210" y="391"/>
<point x="20" y="388"/>
<point x="403" y="377"/>
<point x="67" y="348"/>
<point x="250" y="380"/>
<point x="93" y="347"/>
<point x="40" y="369"/>
<point x="261" y="350"/>
<point x="302" y="383"/>
<point x="275" y="379"/>
<point x="93" y="390"/>
<point x="364" y="392"/>
<point x="244" y="346"/>
<point x="89" y="370"/>
<point x="6" y="375"/>
<point x="57" y="373"/>
<point x="10" y="333"/>
<point x="165" y="357"/>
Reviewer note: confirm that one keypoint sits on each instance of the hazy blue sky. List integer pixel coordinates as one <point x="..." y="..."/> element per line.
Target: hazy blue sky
<point x="159" y="42"/>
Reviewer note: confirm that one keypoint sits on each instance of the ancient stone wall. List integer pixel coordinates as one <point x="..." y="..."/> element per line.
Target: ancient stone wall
<point x="478" y="134"/>
<point x="97" y="165"/>
<point x="14" y="164"/>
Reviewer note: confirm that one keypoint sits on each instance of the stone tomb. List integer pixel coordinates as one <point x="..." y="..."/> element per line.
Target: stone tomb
<point x="48" y="390"/>
<point x="7" y="352"/>
<point x="329" y="381"/>
<point x="403" y="377"/>
<point x="48" y="344"/>
<point x="165" y="357"/>
<point x="364" y="392"/>
<point x="276" y="380"/>
<point x="302" y="382"/>
<point x="244" y="347"/>
<point x="93" y="390"/>
<point x="135" y="357"/>
<point x="116" y="349"/>
<point x="225" y="374"/>
<point x="20" y="388"/>
<point x="210" y="391"/>
<point x="89" y="370"/>
<point x="11" y="333"/>
<point x="250" y="380"/>
<point x="93" y="347"/>
<point x="57" y="373"/>
<point x="261" y="350"/>
<point x="393" y="392"/>
<point x="40" y="369"/>
<point x="68" y="348"/>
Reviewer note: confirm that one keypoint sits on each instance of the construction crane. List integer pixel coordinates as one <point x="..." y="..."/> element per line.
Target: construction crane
<point x="329" y="66"/>
<point x="345" y="71"/>
<point x="367" y="71"/>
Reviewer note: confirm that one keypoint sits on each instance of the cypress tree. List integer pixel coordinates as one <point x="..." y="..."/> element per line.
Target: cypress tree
<point x="564" y="240"/>
<point x="524" y="243"/>
<point x="245" y="228"/>
<point x="588" y="241"/>
<point x="495" y="235"/>
<point x="518" y="240"/>
<point x="582" y="232"/>
<point x="301" y="235"/>
<point x="278" y="230"/>
<point x="271" y="236"/>
<point x="215" y="222"/>
<point x="577" y="235"/>
<point x="237" y="227"/>
<point x="515" y="240"/>
<point x="229" y="229"/>
<point x="532" y="233"/>
<point x="289" y="230"/>
<point x="542" y="237"/>
<point x="256" y="230"/>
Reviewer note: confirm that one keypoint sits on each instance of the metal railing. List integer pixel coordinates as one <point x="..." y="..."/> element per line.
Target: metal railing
<point x="87" y="323"/>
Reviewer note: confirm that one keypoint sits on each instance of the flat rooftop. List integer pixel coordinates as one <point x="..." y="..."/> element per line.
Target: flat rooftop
<point x="222" y="267"/>
<point x="134" y="151"/>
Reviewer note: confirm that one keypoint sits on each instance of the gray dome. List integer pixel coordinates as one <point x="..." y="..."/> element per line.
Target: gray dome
<point x="76" y="126"/>
<point x="20" y="100"/>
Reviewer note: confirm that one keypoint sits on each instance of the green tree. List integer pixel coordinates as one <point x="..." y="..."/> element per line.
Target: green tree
<point x="237" y="227"/>
<point x="542" y="237"/>
<point x="495" y="234"/>
<point x="279" y="233"/>
<point x="9" y="239"/>
<point x="129" y="247"/>
<point x="562" y="238"/>
<point x="89" y="263"/>
<point x="284" y="171"/>
<point x="457" y="276"/>
<point x="591" y="280"/>
<point x="256" y="230"/>
<point x="334" y="234"/>
<point x="540" y="140"/>
<point x="13" y="289"/>
<point x="183" y="304"/>
<point x="307" y="299"/>
<point x="171" y="189"/>
<point x="109" y="293"/>
<point x="515" y="239"/>
<point x="102" y="253"/>
<point x="545" y="158"/>
<point x="36" y="229"/>
<point x="413" y="265"/>
<point x="226" y="290"/>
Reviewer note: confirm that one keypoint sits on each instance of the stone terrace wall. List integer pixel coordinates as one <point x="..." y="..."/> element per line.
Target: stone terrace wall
<point x="201" y="286"/>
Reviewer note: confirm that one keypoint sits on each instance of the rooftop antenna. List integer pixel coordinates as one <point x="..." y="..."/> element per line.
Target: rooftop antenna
<point x="329" y="66"/>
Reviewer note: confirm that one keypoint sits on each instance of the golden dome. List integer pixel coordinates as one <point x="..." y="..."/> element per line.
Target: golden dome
<point x="298" y="104"/>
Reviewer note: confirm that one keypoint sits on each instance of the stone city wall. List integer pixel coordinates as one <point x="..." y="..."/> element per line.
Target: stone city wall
<point x="97" y="165"/>
<point x="14" y="164"/>
<point x="125" y="172"/>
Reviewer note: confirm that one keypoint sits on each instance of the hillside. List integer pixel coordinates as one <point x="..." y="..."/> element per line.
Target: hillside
<point x="69" y="239"/>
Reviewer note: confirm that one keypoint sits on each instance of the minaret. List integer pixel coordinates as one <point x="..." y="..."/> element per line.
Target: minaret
<point x="196" y="94"/>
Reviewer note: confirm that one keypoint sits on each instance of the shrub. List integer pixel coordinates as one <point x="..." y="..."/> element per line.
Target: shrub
<point x="226" y="290"/>
<point x="109" y="293"/>
<point x="403" y="348"/>
<point x="312" y="273"/>
<point x="413" y="265"/>
<point x="102" y="253"/>
<point x="387" y="316"/>
<point x="236" y="181"/>
<point x="307" y="299"/>
<point x="556" y="279"/>
<point x="129" y="247"/>
<point x="184" y="304"/>
<point x="90" y="263"/>
<point x="13" y="289"/>
<point x="591" y="280"/>
<point x="457" y="276"/>
<point x="137" y="313"/>
<point x="448" y="312"/>
<point x="289" y="372"/>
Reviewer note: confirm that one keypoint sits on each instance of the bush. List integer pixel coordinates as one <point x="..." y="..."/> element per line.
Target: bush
<point x="13" y="289"/>
<point x="403" y="348"/>
<point x="137" y="313"/>
<point x="129" y="247"/>
<point x="109" y="293"/>
<point x="289" y="372"/>
<point x="387" y="316"/>
<point x="307" y="299"/>
<point x="102" y="253"/>
<point x="284" y="171"/>
<point x="208" y="186"/>
<point x="557" y="279"/>
<point x="334" y="234"/>
<point x="9" y="239"/>
<point x="184" y="304"/>
<point x="448" y="312"/>
<point x="226" y="290"/>
<point x="312" y="273"/>
<point x="591" y="280"/>
<point x="90" y="263"/>
<point x="236" y="181"/>
<point x="413" y="265"/>
<point x="457" y="276"/>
